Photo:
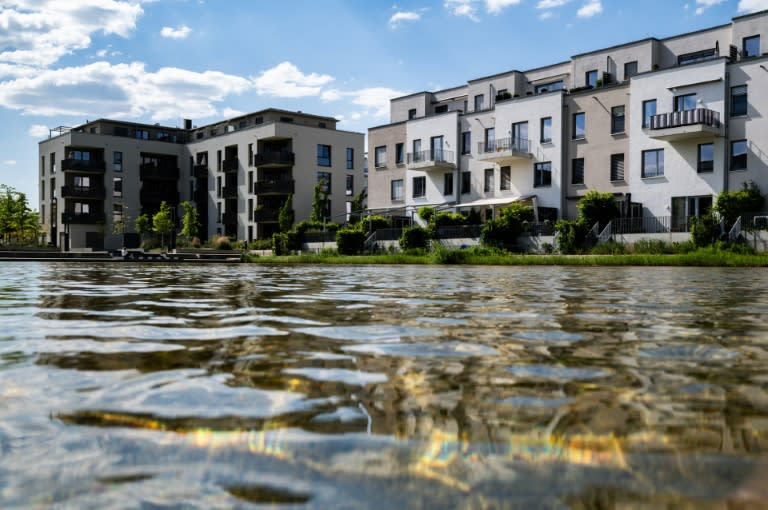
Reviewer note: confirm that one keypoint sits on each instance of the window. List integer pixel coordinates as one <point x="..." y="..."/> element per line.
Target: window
<point x="412" y="113"/>
<point x="738" y="100"/>
<point x="488" y="181"/>
<point x="579" y="125"/>
<point x="630" y="70"/>
<point x="117" y="186"/>
<point x="42" y="166"/>
<point x="653" y="163"/>
<point x="82" y="208"/>
<point x="399" y="154"/>
<point x="350" y="158"/>
<point x="479" y="102"/>
<point x="218" y="212"/>
<point x="79" y="155"/>
<point x="466" y="142"/>
<point x="324" y="178"/>
<point x="617" y="119"/>
<point x="441" y="109"/>
<point x="436" y="148"/>
<point x="417" y="155"/>
<point x="577" y="171"/>
<point x="706" y="157"/>
<point x="490" y="139"/>
<point x="250" y="154"/>
<point x="218" y="187"/>
<point x="751" y="47"/>
<point x="685" y="102"/>
<point x="546" y="130"/>
<point x="617" y="167"/>
<point x="542" y="174"/>
<point x="350" y="188"/>
<point x="548" y="87"/>
<point x="117" y="214"/>
<point x="117" y="161"/>
<point x="419" y="186"/>
<point x="520" y="136"/>
<point x="380" y="156"/>
<point x="82" y="183"/>
<point x="396" y="190"/>
<point x="649" y="110"/>
<point x="699" y="56"/>
<point x="287" y="120"/>
<point x="466" y="182"/>
<point x="42" y="191"/>
<point x="506" y="179"/>
<point x="323" y="155"/>
<point x="143" y="134"/>
<point x="250" y="209"/>
<point x="590" y="78"/>
<point x="448" y="184"/>
<point x="53" y="162"/>
<point x="250" y="183"/>
<point x="739" y="155"/>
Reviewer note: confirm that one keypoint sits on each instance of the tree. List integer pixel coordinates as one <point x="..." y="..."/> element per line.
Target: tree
<point x="190" y="220"/>
<point x="285" y="216"/>
<point x="358" y="206"/>
<point x="119" y="223"/>
<point x="732" y="204"/>
<point x="143" y="224"/>
<point x="162" y="221"/>
<point x="597" y="207"/>
<point x="319" y="204"/>
<point x="16" y="218"/>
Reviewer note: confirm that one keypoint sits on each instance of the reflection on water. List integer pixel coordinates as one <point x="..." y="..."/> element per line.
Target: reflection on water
<point x="141" y="386"/>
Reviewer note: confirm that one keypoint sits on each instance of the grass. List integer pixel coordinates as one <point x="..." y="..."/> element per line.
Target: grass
<point x="703" y="257"/>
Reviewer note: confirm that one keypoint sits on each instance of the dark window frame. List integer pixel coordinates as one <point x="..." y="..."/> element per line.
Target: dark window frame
<point x="542" y="174"/>
<point x="466" y="182"/>
<point x="323" y="155"/>
<point x="546" y="124"/>
<point x="705" y="165"/>
<point x="448" y="184"/>
<point x="466" y="142"/>
<point x="627" y="69"/>
<point x="739" y="161"/>
<point x="400" y="197"/>
<point x="618" y="120"/>
<point x="576" y="135"/>
<point x="577" y="171"/>
<point x="505" y="178"/>
<point x="646" y="116"/>
<point x="590" y="78"/>
<point x="739" y="101"/>
<point x="377" y="161"/>
<point x="350" y="158"/>
<point x="617" y="167"/>
<point x="419" y="183"/>
<point x="399" y="153"/>
<point x="745" y="41"/>
<point x="679" y="102"/>
<point x="658" y="156"/>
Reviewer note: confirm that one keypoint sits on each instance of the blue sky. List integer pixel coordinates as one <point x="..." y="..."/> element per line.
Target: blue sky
<point x="63" y="62"/>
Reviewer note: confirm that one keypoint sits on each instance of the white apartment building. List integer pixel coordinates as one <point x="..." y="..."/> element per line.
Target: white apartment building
<point x="663" y="124"/>
<point x="97" y="178"/>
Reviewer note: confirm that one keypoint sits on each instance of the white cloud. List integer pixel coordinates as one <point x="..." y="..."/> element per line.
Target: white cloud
<point x="496" y="6"/>
<point x="9" y="162"/>
<point x="285" y="80"/>
<point x="399" y="17"/>
<point x="375" y="100"/>
<point x="181" y="32"/>
<point x="546" y="15"/>
<point x="40" y="32"/>
<point x="551" y="4"/>
<point x="466" y="8"/>
<point x="753" y="5"/>
<point x="38" y="131"/>
<point x="231" y="112"/>
<point x="706" y="4"/>
<point x="589" y="9"/>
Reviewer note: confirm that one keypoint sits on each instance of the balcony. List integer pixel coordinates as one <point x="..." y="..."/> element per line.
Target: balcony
<point x="229" y="218"/>
<point x="229" y="192"/>
<point x="274" y="159"/>
<point x="89" y="218"/>
<point x="155" y="197"/>
<point x="504" y="151"/>
<point x="92" y="192"/>
<point x="285" y="187"/>
<point x="699" y="123"/>
<point x="230" y="166"/>
<point x="152" y="172"/>
<point x="200" y="171"/>
<point x="431" y="160"/>
<point x="83" y="166"/>
<point x="266" y="215"/>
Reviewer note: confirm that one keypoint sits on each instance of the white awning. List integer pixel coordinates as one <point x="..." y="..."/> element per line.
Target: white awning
<point x="490" y="202"/>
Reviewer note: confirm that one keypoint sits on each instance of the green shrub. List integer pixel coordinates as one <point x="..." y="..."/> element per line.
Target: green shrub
<point x="732" y="204"/>
<point x="426" y="213"/>
<point x="445" y="219"/>
<point x="373" y="223"/>
<point x="150" y="244"/>
<point x="281" y="243"/>
<point x="684" y="247"/>
<point x="350" y="241"/>
<point x="260" y="244"/>
<point x="598" y="207"/>
<point x="609" y="248"/>
<point x="221" y="243"/>
<point x="651" y="247"/>
<point x="414" y="238"/>
<point x="571" y="234"/>
<point x="443" y="255"/>
<point x="737" y="248"/>
<point x="705" y="230"/>
<point x="504" y="231"/>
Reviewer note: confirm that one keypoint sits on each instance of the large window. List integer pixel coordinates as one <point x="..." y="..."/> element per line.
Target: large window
<point x="417" y="155"/>
<point x="542" y="174"/>
<point x="699" y="56"/>
<point x="751" y="47"/>
<point x="520" y="136"/>
<point x="350" y="158"/>
<point x="590" y="78"/>
<point x="380" y="156"/>
<point x="419" y="186"/>
<point x="685" y="102"/>
<point x="350" y="188"/>
<point x="82" y="183"/>
<point x="324" y="178"/>
<point x="738" y="100"/>
<point x="488" y="181"/>
<point x="82" y="208"/>
<point x="117" y="187"/>
<point x="653" y="163"/>
<point x="412" y="113"/>
<point x="506" y="179"/>
<point x="399" y="153"/>
<point x="630" y="69"/>
<point x="617" y="119"/>
<point x="436" y="148"/>
<point x="448" y="184"/>
<point x="323" y="155"/>
<point x="479" y="102"/>
<point x="548" y="87"/>
<point x="117" y="161"/>
<point x="396" y="193"/>
<point x="466" y="182"/>
<point x="546" y="130"/>
<point x="739" y="155"/>
<point x="706" y="158"/>
<point x="649" y="110"/>
<point x="466" y="142"/>
<point x="579" y="125"/>
<point x="617" y="167"/>
<point x="490" y="139"/>
<point x="577" y="171"/>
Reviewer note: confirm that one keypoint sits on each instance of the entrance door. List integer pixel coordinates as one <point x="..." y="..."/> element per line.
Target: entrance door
<point x="436" y="148"/>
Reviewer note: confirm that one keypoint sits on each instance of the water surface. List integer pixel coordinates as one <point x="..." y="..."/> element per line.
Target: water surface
<point x="165" y="386"/>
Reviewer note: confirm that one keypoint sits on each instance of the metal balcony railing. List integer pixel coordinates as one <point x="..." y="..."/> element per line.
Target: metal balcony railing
<point x="514" y="145"/>
<point x="82" y="218"/>
<point x="91" y="192"/>
<point x="152" y="172"/>
<point x="230" y="165"/>
<point x="274" y="158"/>
<point x="701" y="116"/>
<point x="431" y="156"/>
<point x="284" y="187"/>
<point x="83" y="165"/>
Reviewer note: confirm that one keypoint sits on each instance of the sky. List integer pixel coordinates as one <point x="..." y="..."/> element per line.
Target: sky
<point x="64" y="62"/>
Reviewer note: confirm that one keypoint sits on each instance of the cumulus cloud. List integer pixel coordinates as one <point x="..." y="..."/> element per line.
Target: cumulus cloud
<point x="231" y="112"/>
<point x="399" y="17"/>
<point x="589" y="9"/>
<point x="465" y="8"/>
<point x="39" y="33"/>
<point x="551" y="4"/>
<point x="180" y="32"/>
<point x="496" y="6"/>
<point x="374" y="100"/>
<point x="286" y="80"/>
<point x="706" y="4"/>
<point x="38" y="130"/>
<point x="747" y="6"/>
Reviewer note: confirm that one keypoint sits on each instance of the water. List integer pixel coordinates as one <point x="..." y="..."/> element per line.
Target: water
<point x="163" y="386"/>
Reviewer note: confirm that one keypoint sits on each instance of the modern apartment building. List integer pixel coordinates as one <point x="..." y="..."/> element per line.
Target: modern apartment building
<point x="95" y="179"/>
<point x="663" y="124"/>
